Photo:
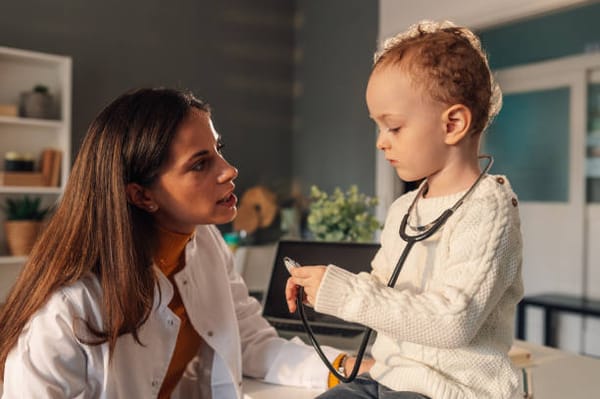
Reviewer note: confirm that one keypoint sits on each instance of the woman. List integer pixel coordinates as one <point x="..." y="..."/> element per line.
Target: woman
<point x="130" y="291"/>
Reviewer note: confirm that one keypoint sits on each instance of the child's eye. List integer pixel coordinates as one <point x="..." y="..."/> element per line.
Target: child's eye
<point x="393" y="129"/>
<point x="220" y="147"/>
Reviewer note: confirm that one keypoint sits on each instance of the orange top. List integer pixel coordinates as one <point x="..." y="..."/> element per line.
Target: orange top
<point x="170" y="258"/>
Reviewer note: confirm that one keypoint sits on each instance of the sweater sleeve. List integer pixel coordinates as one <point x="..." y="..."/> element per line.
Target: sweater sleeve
<point x="477" y="259"/>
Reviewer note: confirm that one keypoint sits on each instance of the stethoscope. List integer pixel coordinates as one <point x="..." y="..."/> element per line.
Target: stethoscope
<point x="422" y="233"/>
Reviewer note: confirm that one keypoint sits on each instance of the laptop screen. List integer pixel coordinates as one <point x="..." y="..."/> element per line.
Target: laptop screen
<point x="355" y="257"/>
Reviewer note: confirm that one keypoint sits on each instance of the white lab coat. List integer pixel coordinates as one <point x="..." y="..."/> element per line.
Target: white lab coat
<point x="49" y="361"/>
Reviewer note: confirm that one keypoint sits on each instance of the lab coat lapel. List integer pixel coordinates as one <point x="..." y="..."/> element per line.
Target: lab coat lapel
<point x="212" y="312"/>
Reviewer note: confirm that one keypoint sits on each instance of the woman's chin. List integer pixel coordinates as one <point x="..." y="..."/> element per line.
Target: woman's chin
<point x="227" y="218"/>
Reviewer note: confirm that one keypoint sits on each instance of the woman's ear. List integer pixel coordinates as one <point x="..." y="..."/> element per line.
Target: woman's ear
<point x="139" y="196"/>
<point x="457" y="123"/>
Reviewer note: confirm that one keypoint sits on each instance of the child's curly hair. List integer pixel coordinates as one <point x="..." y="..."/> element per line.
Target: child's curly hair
<point x="448" y="62"/>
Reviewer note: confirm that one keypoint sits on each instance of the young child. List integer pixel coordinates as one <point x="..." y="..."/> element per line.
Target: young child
<point x="445" y="328"/>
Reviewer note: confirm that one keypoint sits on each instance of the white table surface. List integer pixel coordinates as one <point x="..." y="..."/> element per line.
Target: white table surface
<point x="555" y="375"/>
<point x="254" y="389"/>
<point x="558" y="374"/>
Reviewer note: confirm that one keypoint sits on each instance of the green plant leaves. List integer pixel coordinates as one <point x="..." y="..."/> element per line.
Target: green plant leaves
<point x="342" y="216"/>
<point x="24" y="208"/>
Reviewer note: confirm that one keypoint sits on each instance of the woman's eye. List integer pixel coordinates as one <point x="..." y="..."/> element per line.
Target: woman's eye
<point x="220" y="147"/>
<point x="393" y="129"/>
<point x="200" y="165"/>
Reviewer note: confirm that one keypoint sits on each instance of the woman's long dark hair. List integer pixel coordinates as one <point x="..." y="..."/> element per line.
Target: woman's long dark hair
<point x="95" y="229"/>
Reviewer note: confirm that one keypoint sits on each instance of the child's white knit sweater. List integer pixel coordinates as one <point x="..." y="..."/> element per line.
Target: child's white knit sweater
<point x="445" y="329"/>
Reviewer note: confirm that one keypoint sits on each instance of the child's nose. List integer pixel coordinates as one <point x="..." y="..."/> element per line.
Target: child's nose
<point x="382" y="142"/>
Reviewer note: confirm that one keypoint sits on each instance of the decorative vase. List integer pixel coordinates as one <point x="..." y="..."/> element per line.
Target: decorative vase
<point x="36" y="105"/>
<point x="21" y="235"/>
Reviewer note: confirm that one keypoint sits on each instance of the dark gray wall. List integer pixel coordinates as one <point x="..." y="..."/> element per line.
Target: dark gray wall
<point x="333" y="140"/>
<point x="235" y="54"/>
<point x="239" y="56"/>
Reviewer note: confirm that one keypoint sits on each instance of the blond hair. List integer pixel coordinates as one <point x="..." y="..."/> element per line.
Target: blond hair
<point x="449" y="63"/>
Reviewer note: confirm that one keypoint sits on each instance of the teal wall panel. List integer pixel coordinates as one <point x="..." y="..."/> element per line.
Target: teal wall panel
<point x="530" y="143"/>
<point x="559" y="34"/>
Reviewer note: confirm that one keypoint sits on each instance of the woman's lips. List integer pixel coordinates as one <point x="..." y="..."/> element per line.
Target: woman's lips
<point x="229" y="201"/>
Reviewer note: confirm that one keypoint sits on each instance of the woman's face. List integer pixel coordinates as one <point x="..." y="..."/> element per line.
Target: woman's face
<point x="195" y="185"/>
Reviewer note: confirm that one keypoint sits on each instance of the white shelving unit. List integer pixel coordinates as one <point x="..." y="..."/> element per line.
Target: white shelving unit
<point x="20" y="71"/>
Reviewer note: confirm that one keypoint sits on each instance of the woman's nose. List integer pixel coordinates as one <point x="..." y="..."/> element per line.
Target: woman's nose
<point x="228" y="173"/>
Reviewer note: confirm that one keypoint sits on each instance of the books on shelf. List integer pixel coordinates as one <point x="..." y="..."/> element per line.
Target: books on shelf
<point x="48" y="174"/>
<point x="50" y="166"/>
<point x="9" y="110"/>
<point x="30" y="179"/>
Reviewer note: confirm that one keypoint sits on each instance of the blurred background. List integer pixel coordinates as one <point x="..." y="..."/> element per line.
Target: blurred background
<point x="286" y="81"/>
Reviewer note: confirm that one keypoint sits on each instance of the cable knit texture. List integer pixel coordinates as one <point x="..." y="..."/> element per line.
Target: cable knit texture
<point x="446" y="327"/>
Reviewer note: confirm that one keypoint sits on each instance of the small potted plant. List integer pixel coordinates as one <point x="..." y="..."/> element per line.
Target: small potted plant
<point x="24" y="218"/>
<point x="342" y="216"/>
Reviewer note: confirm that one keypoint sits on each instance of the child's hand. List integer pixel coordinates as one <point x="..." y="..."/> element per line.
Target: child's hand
<point x="308" y="277"/>
<point x="365" y="365"/>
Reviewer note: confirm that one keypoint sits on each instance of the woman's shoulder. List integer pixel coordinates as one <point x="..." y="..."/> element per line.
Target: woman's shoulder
<point x="57" y="322"/>
<point x="86" y="289"/>
<point x="50" y="343"/>
<point x="80" y="299"/>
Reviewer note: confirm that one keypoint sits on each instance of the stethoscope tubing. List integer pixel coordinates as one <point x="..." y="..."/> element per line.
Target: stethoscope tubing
<point x="410" y="241"/>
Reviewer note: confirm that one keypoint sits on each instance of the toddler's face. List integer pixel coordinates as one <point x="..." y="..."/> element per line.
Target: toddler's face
<point x="410" y="124"/>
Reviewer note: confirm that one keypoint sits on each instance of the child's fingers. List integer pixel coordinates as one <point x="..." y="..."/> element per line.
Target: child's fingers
<point x="291" y="292"/>
<point x="291" y="295"/>
<point x="300" y="280"/>
<point x="304" y="271"/>
<point x="307" y="275"/>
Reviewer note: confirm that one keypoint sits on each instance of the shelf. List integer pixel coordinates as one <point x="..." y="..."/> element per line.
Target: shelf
<point x="21" y="70"/>
<point x="12" y="120"/>
<point x="29" y="190"/>
<point x="28" y="57"/>
<point x="12" y="260"/>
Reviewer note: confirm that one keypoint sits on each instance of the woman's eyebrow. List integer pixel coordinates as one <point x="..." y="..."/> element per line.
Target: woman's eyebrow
<point x="199" y="154"/>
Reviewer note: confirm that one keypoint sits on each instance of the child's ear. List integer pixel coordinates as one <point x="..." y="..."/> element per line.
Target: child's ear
<point x="140" y="197"/>
<point x="457" y="123"/>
